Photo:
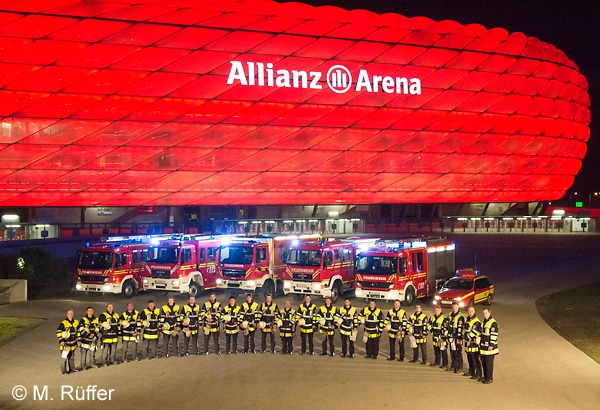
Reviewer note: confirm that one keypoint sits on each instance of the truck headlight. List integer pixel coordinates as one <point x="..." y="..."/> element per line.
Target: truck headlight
<point x="251" y="283"/>
<point x="106" y="288"/>
<point x="358" y="292"/>
<point x="437" y="297"/>
<point x="393" y="294"/>
<point x="145" y="281"/>
<point x="287" y="284"/>
<point x="317" y="286"/>
<point x="458" y="299"/>
<point x="219" y="282"/>
<point x="78" y="286"/>
<point x="175" y="283"/>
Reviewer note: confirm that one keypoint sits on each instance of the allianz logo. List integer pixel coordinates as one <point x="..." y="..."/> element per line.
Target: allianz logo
<point x="339" y="79"/>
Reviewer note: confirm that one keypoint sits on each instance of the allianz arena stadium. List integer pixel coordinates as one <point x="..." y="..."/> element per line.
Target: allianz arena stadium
<point x="181" y="102"/>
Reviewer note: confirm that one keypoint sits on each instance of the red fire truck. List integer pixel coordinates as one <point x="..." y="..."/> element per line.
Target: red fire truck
<point x="184" y="264"/>
<point x="322" y="268"/>
<point x="115" y="266"/>
<point x="404" y="269"/>
<point x="254" y="263"/>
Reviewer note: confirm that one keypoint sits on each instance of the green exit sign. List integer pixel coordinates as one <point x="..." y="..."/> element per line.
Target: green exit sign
<point x="578" y="204"/>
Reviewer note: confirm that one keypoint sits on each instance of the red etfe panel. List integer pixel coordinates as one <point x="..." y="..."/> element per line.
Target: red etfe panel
<point x="258" y="102"/>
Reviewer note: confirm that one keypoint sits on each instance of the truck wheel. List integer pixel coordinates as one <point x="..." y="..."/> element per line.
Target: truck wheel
<point x="194" y="289"/>
<point x="489" y="300"/>
<point x="128" y="289"/>
<point x="267" y="288"/>
<point x="336" y="291"/>
<point x="409" y="297"/>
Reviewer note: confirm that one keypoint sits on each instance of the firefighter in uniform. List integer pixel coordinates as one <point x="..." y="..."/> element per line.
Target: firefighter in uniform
<point x="231" y="326"/>
<point x="373" y="321"/>
<point x="88" y="331"/>
<point x="68" y="339"/>
<point x="287" y="316"/>
<point x="456" y="322"/>
<point x="267" y="314"/>
<point x="306" y="316"/>
<point x="438" y="327"/>
<point x="170" y="326"/>
<point x="348" y="322"/>
<point x="249" y="322"/>
<point x="417" y="328"/>
<point x="190" y="313"/>
<point x="130" y="331"/>
<point x="472" y="334"/>
<point x="149" y="318"/>
<point x="326" y="317"/>
<point x="211" y="315"/>
<point x="109" y="323"/>
<point x="395" y="322"/>
<point x="488" y="346"/>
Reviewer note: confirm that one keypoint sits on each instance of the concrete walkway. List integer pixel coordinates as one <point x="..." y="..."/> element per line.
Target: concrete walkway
<point x="536" y="368"/>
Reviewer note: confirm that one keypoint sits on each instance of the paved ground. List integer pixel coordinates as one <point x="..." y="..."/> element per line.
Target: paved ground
<point x="535" y="369"/>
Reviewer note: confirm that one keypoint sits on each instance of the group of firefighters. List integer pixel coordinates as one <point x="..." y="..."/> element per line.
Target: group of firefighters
<point x="449" y="333"/>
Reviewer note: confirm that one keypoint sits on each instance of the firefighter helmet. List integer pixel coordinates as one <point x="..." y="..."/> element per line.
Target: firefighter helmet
<point x="66" y="334"/>
<point x="146" y="323"/>
<point x="388" y="327"/>
<point x="302" y="321"/>
<point x="227" y="318"/>
<point x="106" y="325"/>
<point x="186" y="321"/>
<point x="125" y="324"/>
<point x="322" y="321"/>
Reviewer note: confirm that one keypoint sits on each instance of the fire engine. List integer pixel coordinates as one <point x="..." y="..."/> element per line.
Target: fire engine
<point x="115" y="266"/>
<point x="404" y="269"/>
<point x="254" y="263"/>
<point x="185" y="264"/>
<point x="322" y="268"/>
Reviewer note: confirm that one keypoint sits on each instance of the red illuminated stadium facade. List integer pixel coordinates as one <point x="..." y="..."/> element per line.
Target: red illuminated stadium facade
<point x="171" y="102"/>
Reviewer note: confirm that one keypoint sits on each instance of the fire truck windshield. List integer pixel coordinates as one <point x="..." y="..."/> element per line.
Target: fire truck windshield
<point x="460" y="284"/>
<point x="166" y="255"/>
<point x="95" y="260"/>
<point x="235" y="255"/>
<point x="382" y="265"/>
<point x="302" y="257"/>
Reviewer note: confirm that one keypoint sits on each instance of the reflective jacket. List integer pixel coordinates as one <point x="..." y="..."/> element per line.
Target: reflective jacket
<point x="327" y="313"/>
<point x="374" y="321"/>
<point x="191" y="312"/>
<point x="231" y="327"/>
<point x="249" y="314"/>
<point x="88" y="327"/>
<point x="288" y="318"/>
<point x="349" y="319"/>
<point x="489" y="337"/>
<point x="472" y="332"/>
<point x="151" y="332"/>
<point x="134" y="327"/>
<point x="268" y="314"/>
<point x="397" y="320"/>
<point x="456" y="322"/>
<point x="417" y="325"/>
<point x="169" y="314"/>
<point x="110" y="335"/>
<point x="309" y="314"/>
<point x="438" y="326"/>
<point x="71" y="327"/>
<point x="211" y="310"/>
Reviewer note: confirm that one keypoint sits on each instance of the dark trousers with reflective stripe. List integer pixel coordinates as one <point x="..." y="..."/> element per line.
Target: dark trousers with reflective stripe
<point x="474" y="364"/>
<point x="393" y="347"/>
<point x="347" y="345"/>
<point x="487" y="361"/>
<point x="373" y="347"/>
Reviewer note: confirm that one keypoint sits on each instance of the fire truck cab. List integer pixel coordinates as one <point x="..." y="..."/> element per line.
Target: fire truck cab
<point x="183" y="264"/>
<point x="253" y="263"/>
<point x="319" y="268"/>
<point x="403" y="269"/>
<point x="112" y="267"/>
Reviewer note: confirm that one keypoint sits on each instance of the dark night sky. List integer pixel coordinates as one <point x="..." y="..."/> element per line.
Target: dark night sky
<point x="571" y="25"/>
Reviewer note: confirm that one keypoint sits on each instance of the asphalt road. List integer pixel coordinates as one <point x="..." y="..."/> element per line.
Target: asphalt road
<point x="536" y="368"/>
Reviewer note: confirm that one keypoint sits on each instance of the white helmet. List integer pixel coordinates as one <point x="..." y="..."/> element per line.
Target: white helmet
<point x="146" y="323"/>
<point x="207" y="330"/>
<point x="245" y="324"/>
<point x="322" y="321"/>
<point x="262" y="325"/>
<point x="227" y="318"/>
<point x="166" y="326"/>
<point x="186" y="321"/>
<point x="187" y="331"/>
<point x="339" y="321"/>
<point x="302" y="321"/>
<point x="279" y="322"/>
<point x="125" y="324"/>
<point x="106" y="325"/>
<point x="388" y="327"/>
<point x="66" y="334"/>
